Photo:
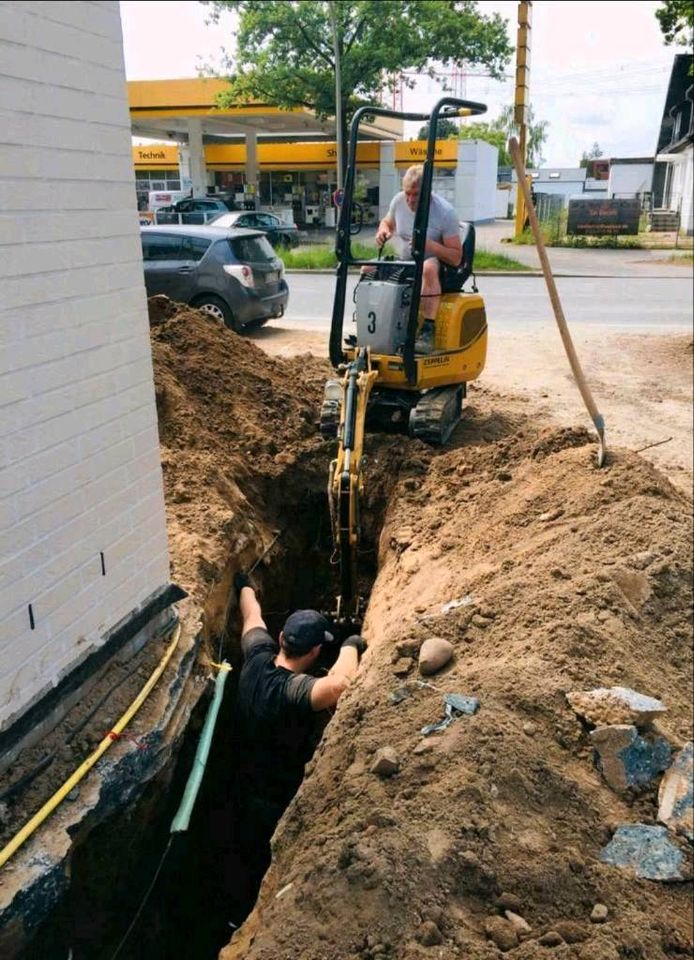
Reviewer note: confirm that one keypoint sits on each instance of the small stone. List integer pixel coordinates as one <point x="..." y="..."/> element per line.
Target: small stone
<point x="529" y="729"/>
<point x="599" y="913"/>
<point x="424" y="746"/>
<point x="647" y="851"/>
<point x="676" y="794"/>
<point x="615" y="705"/>
<point x="509" y="901"/>
<point x="551" y="515"/>
<point x="521" y="926"/>
<point x="504" y="476"/>
<point x="429" y="934"/>
<point x="642" y="560"/>
<point x="551" y="939"/>
<point x="434" y="654"/>
<point x="479" y="621"/>
<point x="386" y="762"/>
<point x="627" y="760"/>
<point x="420" y="609"/>
<point x="571" y="932"/>
<point x="402" y="666"/>
<point x="501" y="932"/>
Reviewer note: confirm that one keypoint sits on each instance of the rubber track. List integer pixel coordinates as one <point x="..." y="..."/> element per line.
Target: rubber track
<point x="436" y="414"/>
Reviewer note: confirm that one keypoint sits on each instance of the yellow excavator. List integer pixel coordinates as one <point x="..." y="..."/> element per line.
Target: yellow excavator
<point x="384" y="381"/>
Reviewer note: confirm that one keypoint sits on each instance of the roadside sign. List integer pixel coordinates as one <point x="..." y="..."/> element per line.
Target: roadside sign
<point x="338" y="197"/>
<point x="600" y="217"/>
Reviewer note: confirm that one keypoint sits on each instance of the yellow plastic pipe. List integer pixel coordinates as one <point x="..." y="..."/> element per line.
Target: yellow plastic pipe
<point x="57" y="798"/>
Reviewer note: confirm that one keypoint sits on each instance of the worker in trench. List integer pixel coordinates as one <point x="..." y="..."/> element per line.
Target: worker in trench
<point x="279" y="722"/>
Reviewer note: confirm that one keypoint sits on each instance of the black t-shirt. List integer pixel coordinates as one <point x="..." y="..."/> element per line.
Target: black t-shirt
<point x="278" y="730"/>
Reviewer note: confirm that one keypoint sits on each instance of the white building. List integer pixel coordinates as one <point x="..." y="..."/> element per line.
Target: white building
<point x="673" y="176"/>
<point x="84" y="543"/>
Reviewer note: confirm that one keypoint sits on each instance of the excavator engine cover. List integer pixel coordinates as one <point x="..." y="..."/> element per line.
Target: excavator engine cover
<point x="382" y="309"/>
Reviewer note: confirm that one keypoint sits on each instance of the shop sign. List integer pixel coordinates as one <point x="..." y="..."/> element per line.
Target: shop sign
<point x="600" y="217"/>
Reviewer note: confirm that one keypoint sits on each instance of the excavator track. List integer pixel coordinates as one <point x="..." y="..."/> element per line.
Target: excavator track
<point x="329" y="418"/>
<point x="436" y="415"/>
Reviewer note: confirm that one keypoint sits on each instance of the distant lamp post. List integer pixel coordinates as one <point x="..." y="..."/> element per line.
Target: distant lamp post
<point x="338" y="94"/>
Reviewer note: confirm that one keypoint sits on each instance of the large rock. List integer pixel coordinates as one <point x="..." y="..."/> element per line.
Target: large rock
<point x="676" y="794"/>
<point x="386" y="762"/>
<point x="627" y="760"/>
<point x="647" y="851"/>
<point x="434" y="654"/>
<point x="606" y="706"/>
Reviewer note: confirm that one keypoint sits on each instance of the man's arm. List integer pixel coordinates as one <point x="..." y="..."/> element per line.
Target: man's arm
<point x="249" y="608"/>
<point x="328" y="690"/>
<point x="386" y="229"/>
<point x="450" y="251"/>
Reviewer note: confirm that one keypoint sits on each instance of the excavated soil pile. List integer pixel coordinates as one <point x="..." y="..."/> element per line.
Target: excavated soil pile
<point x="564" y="577"/>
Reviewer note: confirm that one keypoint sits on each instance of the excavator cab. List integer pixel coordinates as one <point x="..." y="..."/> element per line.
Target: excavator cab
<point x="384" y="380"/>
<point x="423" y="392"/>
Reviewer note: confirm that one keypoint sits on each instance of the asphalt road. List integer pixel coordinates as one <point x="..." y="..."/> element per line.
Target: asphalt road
<point x="633" y="302"/>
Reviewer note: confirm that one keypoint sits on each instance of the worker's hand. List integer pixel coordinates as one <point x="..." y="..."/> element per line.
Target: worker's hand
<point x="382" y="236"/>
<point x="359" y="644"/>
<point x="241" y="580"/>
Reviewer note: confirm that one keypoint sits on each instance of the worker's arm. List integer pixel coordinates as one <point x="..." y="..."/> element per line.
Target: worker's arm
<point x="450" y="251"/>
<point x="249" y="608"/>
<point x="386" y="229"/>
<point x="327" y="691"/>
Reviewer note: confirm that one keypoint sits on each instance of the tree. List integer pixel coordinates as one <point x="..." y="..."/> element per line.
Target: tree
<point x="285" y="53"/>
<point x="676" y="19"/>
<point x="445" y="130"/>
<point x="593" y="154"/>
<point x="537" y="133"/>
<point x="486" y="132"/>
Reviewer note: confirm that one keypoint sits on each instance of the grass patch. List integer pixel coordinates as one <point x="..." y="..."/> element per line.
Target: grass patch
<point x="686" y="259"/>
<point x="322" y="257"/>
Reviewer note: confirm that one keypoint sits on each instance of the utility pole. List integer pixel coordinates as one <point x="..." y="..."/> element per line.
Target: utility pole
<point x="338" y="96"/>
<point x="522" y="97"/>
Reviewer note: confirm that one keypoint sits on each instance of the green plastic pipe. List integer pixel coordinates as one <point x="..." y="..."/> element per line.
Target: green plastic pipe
<point x="180" y="822"/>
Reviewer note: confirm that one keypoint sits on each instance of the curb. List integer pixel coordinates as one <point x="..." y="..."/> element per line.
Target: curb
<point x="530" y="272"/>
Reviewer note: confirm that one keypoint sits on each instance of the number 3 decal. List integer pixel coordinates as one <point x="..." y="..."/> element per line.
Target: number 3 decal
<point x="372" y="322"/>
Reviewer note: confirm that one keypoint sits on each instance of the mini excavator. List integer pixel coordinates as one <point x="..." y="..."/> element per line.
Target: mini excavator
<point x="384" y="382"/>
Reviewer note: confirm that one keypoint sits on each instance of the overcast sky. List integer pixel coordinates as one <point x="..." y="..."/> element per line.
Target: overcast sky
<point x="599" y="70"/>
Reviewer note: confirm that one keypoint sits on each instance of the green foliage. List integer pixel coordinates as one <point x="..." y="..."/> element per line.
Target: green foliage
<point x="285" y="52"/>
<point x="593" y="154"/>
<point x="537" y="134"/>
<point x="676" y="19"/>
<point x="322" y="257"/>
<point x="487" y="132"/>
<point x="445" y="130"/>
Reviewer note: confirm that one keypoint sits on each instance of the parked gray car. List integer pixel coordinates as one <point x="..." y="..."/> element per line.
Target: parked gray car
<point x="235" y="277"/>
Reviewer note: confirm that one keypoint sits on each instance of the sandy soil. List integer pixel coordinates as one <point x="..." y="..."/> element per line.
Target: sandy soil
<point x="641" y="382"/>
<point x="570" y="577"/>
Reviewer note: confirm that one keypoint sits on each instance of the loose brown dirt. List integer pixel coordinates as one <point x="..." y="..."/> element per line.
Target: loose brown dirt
<point x="569" y="576"/>
<point x="566" y="577"/>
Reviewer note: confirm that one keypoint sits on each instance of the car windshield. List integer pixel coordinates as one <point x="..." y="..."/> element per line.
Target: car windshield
<point x="252" y="249"/>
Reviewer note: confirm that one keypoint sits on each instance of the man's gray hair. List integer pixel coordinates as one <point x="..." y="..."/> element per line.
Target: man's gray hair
<point x="413" y="175"/>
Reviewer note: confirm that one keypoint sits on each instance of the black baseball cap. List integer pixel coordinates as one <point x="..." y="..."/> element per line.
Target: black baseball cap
<point x="305" y="629"/>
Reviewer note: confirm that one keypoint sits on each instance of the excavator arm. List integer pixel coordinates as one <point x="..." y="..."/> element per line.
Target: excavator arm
<point x="346" y="481"/>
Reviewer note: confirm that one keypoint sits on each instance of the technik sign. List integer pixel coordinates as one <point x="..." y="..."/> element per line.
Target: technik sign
<point x="155" y="156"/>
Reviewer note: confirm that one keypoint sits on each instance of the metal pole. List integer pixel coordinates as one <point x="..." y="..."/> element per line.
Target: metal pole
<point x="338" y="95"/>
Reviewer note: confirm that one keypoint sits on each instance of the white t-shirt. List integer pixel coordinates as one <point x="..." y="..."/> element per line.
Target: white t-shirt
<point x="443" y="222"/>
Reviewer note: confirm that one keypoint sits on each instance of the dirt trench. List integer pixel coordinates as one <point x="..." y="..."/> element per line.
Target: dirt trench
<point x="564" y="576"/>
<point x="545" y="573"/>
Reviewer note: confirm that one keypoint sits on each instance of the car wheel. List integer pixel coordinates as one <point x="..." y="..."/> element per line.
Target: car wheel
<point x="216" y="308"/>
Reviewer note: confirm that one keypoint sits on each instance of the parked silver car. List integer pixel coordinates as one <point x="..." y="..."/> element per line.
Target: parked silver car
<point x="235" y="277"/>
<point x="279" y="232"/>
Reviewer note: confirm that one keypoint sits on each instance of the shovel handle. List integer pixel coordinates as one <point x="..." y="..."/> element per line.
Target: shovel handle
<point x="583" y="387"/>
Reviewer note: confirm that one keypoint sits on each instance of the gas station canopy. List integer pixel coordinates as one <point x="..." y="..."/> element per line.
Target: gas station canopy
<point x="163" y="109"/>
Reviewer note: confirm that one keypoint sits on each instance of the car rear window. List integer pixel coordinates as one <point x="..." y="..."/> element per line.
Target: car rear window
<point x="252" y="249"/>
<point x="160" y="246"/>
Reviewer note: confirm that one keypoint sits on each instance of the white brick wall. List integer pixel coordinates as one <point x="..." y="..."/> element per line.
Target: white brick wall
<point x="79" y="455"/>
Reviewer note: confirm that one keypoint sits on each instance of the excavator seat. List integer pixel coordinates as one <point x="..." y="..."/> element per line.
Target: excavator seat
<point x="453" y="278"/>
